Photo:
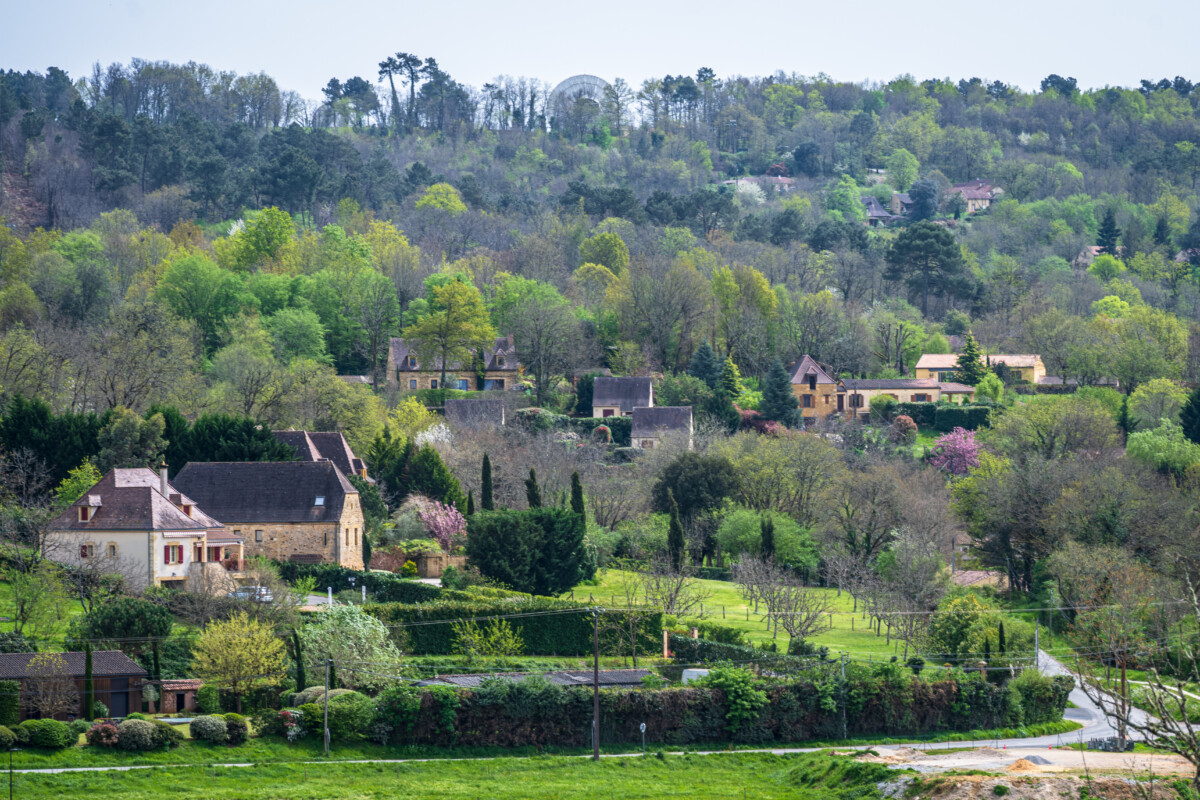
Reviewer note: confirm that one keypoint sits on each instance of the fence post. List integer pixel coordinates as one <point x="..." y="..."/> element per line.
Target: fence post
<point x="666" y="644"/>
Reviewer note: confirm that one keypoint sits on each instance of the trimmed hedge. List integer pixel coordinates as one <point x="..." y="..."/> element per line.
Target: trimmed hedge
<point x="539" y="550"/>
<point x="384" y="587"/>
<point x="687" y="650"/>
<point x="10" y="703"/>
<point x="567" y="634"/>
<point x="48" y="733"/>
<point x="969" y="418"/>
<point x="920" y="413"/>
<point x="211" y="728"/>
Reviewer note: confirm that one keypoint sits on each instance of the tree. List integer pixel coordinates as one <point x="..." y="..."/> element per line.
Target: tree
<point x="778" y="401"/>
<point x="130" y="623"/>
<point x="606" y="249"/>
<point x="675" y="541"/>
<point x="1108" y="234"/>
<point x="1189" y="416"/>
<point x="956" y="452"/>
<point x="298" y="658"/>
<point x="443" y="197"/>
<point x="705" y="365"/>
<point x="768" y="537"/>
<point x="457" y="327"/>
<point x="39" y="596"/>
<point x="77" y="482"/>
<point x="49" y="687"/>
<point x="696" y="482"/>
<point x="240" y="655"/>
<point x="926" y="198"/>
<point x="533" y="493"/>
<point x="487" y="500"/>
<point x="542" y="324"/>
<point x="731" y="378"/>
<point x="928" y="259"/>
<point x="969" y="368"/>
<point x="357" y="643"/>
<point x="991" y="388"/>
<point x="902" y="168"/>
<point x="577" y="496"/>
<point x="89" y="684"/>
<point x="429" y="475"/>
<point x="128" y="440"/>
<point x="540" y="551"/>
<point x="1156" y="400"/>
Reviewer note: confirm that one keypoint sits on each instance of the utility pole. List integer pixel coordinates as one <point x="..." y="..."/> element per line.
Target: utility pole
<point x="1037" y="654"/>
<point x="843" y="660"/>
<point x="327" y="663"/>
<point x="596" y="684"/>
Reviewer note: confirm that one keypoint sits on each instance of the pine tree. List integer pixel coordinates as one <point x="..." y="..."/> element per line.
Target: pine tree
<point x="430" y="476"/>
<point x="778" y="401"/>
<point x="577" y="496"/>
<point x="533" y="493"/>
<point x="485" y="496"/>
<point x="1189" y="416"/>
<point x="1108" y="234"/>
<point x="470" y="503"/>
<point x="705" y="366"/>
<point x="720" y="408"/>
<point x="731" y="379"/>
<point x="1002" y="644"/>
<point x="301" y="678"/>
<point x="1126" y="421"/>
<point x="674" y="534"/>
<point x="1162" y="233"/>
<point x="767" y="526"/>
<point x="970" y="368"/>
<point x="89" y="684"/>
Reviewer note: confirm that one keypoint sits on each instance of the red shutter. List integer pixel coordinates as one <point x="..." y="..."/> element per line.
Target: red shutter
<point x="83" y="551"/>
<point x="167" y="554"/>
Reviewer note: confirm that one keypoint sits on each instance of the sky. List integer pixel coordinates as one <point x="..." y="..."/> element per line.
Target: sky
<point x="302" y="44"/>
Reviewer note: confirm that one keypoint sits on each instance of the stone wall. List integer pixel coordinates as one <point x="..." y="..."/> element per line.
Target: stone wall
<point x="339" y="543"/>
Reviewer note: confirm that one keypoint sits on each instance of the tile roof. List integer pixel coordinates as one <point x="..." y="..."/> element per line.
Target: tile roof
<point x="132" y="500"/>
<point x="104" y="662"/>
<point x="474" y="413"/>
<point x="950" y="360"/>
<point x="502" y="346"/>
<point x="809" y="366"/>
<point x="875" y="209"/>
<point x="180" y="685"/>
<point x="652" y="421"/>
<point x="628" y="393"/>
<point x="887" y="383"/>
<point x="315" y="445"/>
<point x="955" y="388"/>
<point x="609" y="678"/>
<point x="264" y="491"/>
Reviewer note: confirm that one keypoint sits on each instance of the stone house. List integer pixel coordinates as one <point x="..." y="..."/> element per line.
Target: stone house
<point x="331" y="445"/>
<point x="942" y="366"/>
<point x="116" y="678"/>
<point x="854" y="396"/>
<point x="139" y="524"/>
<point x="618" y="397"/>
<point x="501" y="368"/>
<point x="815" y="390"/>
<point x="977" y="194"/>
<point x="288" y="510"/>
<point x="652" y="425"/>
<point x="177" y="695"/>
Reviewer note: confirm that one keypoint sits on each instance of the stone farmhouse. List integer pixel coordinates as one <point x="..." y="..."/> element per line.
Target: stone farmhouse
<point x="815" y="390"/>
<point x="941" y="366"/>
<point x="652" y="425"/>
<point x="855" y="395"/>
<point x="138" y="523"/>
<point x="618" y="397"/>
<point x="501" y="368"/>
<point x="290" y="510"/>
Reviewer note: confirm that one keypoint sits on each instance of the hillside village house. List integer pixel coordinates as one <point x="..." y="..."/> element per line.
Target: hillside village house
<point x="618" y="397"/>
<point x="977" y="194"/>
<point x="652" y="425"/>
<point x="116" y="678"/>
<point x="501" y="370"/>
<point x="856" y="395"/>
<point x="331" y="445"/>
<point x="941" y="366"/>
<point x="136" y="522"/>
<point x="291" y="510"/>
<point x="815" y="390"/>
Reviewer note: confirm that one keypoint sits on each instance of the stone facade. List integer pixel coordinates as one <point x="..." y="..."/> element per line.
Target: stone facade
<point x="339" y="543"/>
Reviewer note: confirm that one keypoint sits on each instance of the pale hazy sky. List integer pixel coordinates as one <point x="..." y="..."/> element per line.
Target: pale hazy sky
<point x="302" y="43"/>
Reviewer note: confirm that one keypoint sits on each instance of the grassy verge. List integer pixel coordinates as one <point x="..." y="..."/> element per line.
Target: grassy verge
<point x="758" y="775"/>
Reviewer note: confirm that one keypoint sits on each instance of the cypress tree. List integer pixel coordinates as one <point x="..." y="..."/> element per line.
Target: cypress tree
<point x="485" y="497"/>
<point x="1002" y="643"/>
<point x="767" y="526"/>
<point x="720" y="408"/>
<point x="987" y="650"/>
<point x="1108" y="233"/>
<point x="298" y="651"/>
<point x="970" y="368"/>
<point x="577" y="496"/>
<point x="674" y="534"/>
<point x="470" y="503"/>
<point x="1126" y="421"/>
<point x="89" y="683"/>
<point x="332" y="678"/>
<point x="731" y="379"/>
<point x="1189" y="416"/>
<point x="533" y="493"/>
<point x="778" y="401"/>
<point x="705" y="366"/>
<point x="154" y="655"/>
<point x="366" y="550"/>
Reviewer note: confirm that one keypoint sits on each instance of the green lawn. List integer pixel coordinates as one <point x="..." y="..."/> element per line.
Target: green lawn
<point x="850" y="632"/>
<point x="67" y="611"/>
<point x="697" y="777"/>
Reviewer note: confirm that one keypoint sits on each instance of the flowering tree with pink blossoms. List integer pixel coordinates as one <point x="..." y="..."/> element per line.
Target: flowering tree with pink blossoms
<point x="956" y="452"/>
<point x="444" y="522"/>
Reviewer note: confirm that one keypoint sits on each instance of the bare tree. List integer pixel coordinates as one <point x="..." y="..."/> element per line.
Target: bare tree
<point x="676" y="592"/>
<point x="49" y="688"/>
<point x="801" y="612"/>
<point x="624" y="628"/>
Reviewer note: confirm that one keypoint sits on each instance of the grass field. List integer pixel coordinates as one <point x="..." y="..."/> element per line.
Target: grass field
<point x="68" y="610"/>
<point x="697" y="777"/>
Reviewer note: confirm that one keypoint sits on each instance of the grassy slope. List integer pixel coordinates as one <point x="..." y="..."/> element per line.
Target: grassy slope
<point x="688" y="776"/>
<point x="69" y="610"/>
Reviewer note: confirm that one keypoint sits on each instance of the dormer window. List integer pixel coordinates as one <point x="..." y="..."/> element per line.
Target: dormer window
<point x="320" y="501"/>
<point x="186" y="508"/>
<point x="85" y="513"/>
<point x="412" y="361"/>
<point x="500" y="361"/>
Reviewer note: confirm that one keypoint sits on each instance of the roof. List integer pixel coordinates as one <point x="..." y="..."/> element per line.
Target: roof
<point x="975" y="190"/>
<point x="316" y="445"/>
<point x="875" y="209"/>
<point x="950" y="360"/>
<point x="475" y="413"/>
<point x="806" y="366"/>
<point x="903" y="197"/>
<point x="267" y="491"/>
<point x="132" y="500"/>
<point x="180" y="685"/>
<point x="608" y="678"/>
<point x="854" y="385"/>
<point x="104" y="662"/>
<point x="628" y="393"/>
<point x="652" y="421"/>
<point x="956" y="388"/>
<point x="502" y="346"/>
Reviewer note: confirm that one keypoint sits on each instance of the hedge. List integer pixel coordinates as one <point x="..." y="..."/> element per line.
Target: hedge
<point x="10" y="703"/>
<point x="549" y="635"/>
<point x="947" y="418"/>
<point x="885" y="701"/>
<point x="384" y="587"/>
<point x="48" y="733"/>
<point x="621" y="427"/>
<point x="686" y="650"/>
<point x="920" y="413"/>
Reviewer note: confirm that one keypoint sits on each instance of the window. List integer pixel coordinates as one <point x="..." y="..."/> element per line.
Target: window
<point x="500" y="361"/>
<point x="87" y="550"/>
<point x="186" y="509"/>
<point x="173" y="554"/>
<point x="461" y="383"/>
<point x="412" y="383"/>
<point x="112" y="551"/>
<point x="433" y="383"/>
<point x="807" y="401"/>
<point x="85" y="513"/>
<point x="346" y="536"/>
<point x="412" y="361"/>
<point x="812" y="383"/>
<point x="856" y="401"/>
<point x="608" y="412"/>
<point x="258" y="536"/>
<point x="356" y="536"/>
<point x="920" y="398"/>
<point x="325" y="539"/>
<point x="320" y="501"/>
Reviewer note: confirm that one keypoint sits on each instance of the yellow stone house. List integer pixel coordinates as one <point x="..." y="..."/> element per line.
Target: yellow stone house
<point x="815" y="390"/>
<point x="502" y="369"/>
<point x="941" y="366"/>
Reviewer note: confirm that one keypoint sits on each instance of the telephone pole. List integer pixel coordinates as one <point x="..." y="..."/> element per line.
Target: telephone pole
<point x="596" y="683"/>
<point x="327" y="663"/>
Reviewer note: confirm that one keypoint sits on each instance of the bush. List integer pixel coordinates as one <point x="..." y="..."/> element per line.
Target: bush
<point x="208" y="699"/>
<point x="920" y="413"/>
<point x="969" y="418"/>
<point x="166" y="735"/>
<point x="904" y="430"/>
<point x="236" y="728"/>
<point x="10" y="703"/>
<point x="350" y="716"/>
<point x="136" y="715"/>
<point x="99" y="710"/>
<point x="80" y="726"/>
<point x="540" y="551"/>
<point x="137" y="735"/>
<point x="316" y="694"/>
<point x="48" y="733"/>
<point x="620" y="428"/>
<point x="7" y="738"/>
<point x="102" y="735"/>
<point x="211" y="728"/>
<point x="883" y="408"/>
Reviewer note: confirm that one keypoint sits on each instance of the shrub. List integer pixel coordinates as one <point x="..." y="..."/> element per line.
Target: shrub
<point x="970" y="418"/>
<point x="540" y="551"/>
<point x="920" y="413"/>
<point x="208" y="699"/>
<point x="904" y="430"/>
<point x="48" y="733"/>
<point x="315" y="713"/>
<point x="10" y="702"/>
<point x="80" y="726"/>
<point x="166" y="735"/>
<point x="99" y="710"/>
<point x="743" y="701"/>
<point x="212" y="728"/>
<point x="350" y="716"/>
<point x="236" y="728"/>
<point x="136" y="715"/>
<point x="883" y="408"/>
<point x="137" y="734"/>
<point x="102" y="735"/>
<point x="409" y="570"/>
<point x="7" y="738"/>
<point x="397" y="708"/>
<point x="384" y="587"/>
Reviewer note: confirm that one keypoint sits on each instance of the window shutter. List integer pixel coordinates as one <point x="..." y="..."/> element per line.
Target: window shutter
<point x="167" y="554"/>
<point x="83" y="551"/>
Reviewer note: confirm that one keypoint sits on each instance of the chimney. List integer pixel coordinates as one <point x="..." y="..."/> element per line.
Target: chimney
<point x="164" y="486"/>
